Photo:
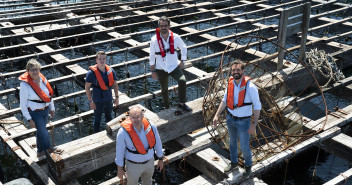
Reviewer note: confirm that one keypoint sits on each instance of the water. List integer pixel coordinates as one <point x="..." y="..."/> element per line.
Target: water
<point x="328" y="167"/>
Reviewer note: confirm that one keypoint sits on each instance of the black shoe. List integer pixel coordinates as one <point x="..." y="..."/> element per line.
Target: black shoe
<point x="185" y="107"/>
<point x="230" y="167"/>
<point x="248" y="171"/>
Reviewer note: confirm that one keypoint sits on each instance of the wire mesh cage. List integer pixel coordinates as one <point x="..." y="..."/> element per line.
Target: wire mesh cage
<point x="285" y="116"/>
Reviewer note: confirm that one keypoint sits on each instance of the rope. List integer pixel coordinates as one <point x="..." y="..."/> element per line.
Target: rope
<point x="316" y="160"/>
<point x="184" y="161"/>
<point x="324" y="65"/>
<point x="345" y="177"/>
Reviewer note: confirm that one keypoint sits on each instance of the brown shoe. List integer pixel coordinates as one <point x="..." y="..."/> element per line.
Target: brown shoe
<point x="230" y="167"/>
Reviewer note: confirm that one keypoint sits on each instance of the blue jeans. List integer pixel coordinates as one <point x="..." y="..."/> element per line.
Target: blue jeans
<point x="238" y="128"/>
<point x="40" y="119"/>
<point x="101" y="107"/>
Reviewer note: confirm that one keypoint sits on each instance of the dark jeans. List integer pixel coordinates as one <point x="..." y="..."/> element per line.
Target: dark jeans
<point x="176" y="74"/>
<point x="40" y="119"/>
<point x="102" y="107"/>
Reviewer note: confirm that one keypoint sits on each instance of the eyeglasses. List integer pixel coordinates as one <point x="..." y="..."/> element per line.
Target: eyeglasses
<point x="34" y="70"/>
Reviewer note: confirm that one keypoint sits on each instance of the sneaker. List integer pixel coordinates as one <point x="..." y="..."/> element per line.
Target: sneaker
<point x="185" y="107"/>
<point x="248" y="170"/>
<point x="230" y="167"/>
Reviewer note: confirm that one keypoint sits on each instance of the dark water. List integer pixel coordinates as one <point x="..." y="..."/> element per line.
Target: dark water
<point x="300" y="169"/>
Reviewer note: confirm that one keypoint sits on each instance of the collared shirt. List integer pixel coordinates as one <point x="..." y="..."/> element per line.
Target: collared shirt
<point x="170" y="61"/>
<point x="99" y="95"/>
<point x="123" y="140"/>
<point x="252" y="95"/>
<point x="27" y="93"/>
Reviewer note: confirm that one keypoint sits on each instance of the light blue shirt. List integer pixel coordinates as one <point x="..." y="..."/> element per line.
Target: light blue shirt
<point x="252" y="95"/>
<point x="123" y="140"/>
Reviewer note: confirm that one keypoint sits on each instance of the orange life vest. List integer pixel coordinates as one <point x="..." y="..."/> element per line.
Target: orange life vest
<point x="230" y="93"/>
<point x="100" y="79"/>
<point x="127" y="125"/>
<point x="26" y="78"/>
<point x="161" y="45"/>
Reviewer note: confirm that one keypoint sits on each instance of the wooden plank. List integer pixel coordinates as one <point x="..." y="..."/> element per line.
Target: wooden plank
<point x="203" y="162"/>
<point x="78" y="157"/>
<point x="199" y="180"/>
<point x="287" y="154"/>
<point x="39" y="172"/>
<point x="342" y="178"/>
<point x="253" y="181"/>
<point x="305" y="27"/>
<point x="339" y="145"/>
<point x="282" y="37"/>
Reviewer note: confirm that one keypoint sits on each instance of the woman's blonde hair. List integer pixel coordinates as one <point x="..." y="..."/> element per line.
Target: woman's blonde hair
<point x="33" y="63"/>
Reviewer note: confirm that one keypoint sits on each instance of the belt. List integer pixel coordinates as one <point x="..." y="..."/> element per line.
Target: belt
<point x="44" y="108"/>
<point x="235" y="117"/>
<point x="159" y="53"/>
<point x="137" y="162"/>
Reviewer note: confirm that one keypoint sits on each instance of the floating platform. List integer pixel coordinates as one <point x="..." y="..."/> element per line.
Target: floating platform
<point x="65" y="35"/>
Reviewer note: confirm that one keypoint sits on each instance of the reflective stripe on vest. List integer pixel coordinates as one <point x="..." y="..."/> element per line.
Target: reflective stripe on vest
<point x="127" y="125"/>
<point x="161" y="44"/>
<point x="26" y="78"/>
<point x="100" y="79"/>
<point x="230" y="93"/>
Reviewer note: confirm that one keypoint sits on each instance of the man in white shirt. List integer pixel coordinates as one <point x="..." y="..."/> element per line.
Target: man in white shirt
<point x="136" y="141"/>
<point x="164" y="62"/>
<point x="240" y="95"/>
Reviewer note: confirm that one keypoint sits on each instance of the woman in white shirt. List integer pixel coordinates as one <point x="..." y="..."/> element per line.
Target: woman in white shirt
<point x="36" y="102"/>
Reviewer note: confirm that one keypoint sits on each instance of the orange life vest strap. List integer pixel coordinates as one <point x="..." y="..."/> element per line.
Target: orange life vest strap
<point x="241" y="96"/>
<point x="161" y="44"/>
<point x="100" y="78"/>
<point x="27" y="78"/>
<point x="127" y="125"/>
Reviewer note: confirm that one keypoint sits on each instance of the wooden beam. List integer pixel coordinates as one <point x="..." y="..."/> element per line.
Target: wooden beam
<point x="287" y="154"/>
<point x="342" y="178"/>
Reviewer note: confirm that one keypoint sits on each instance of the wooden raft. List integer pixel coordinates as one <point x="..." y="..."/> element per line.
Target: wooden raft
<point x="87" y="154"/>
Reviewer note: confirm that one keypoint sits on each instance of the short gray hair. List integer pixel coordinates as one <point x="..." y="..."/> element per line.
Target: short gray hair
<point x="33" y="62"/>
<point x="164" y="18"/>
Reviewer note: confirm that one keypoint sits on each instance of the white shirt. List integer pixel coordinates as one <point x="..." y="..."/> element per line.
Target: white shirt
<point x="252" y="95"/>
<point x="124" y="140"/>
<point x="170" y="61"/>
<point x="27" y="93"/>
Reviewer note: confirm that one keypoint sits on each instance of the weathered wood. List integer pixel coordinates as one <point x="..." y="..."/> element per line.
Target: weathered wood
<point x="339" y="145"/>
<point x="199" y="180"/>
<point x="287" y="154"/>
<point x="342" y="178"/>
<point x="282" y="37"/>
<point x="39" y="172"/>
<point x="193" y="143"/>
<point x="305" y="26"/>
<point x="204" y="162"/>
<point x="79" y="158"/>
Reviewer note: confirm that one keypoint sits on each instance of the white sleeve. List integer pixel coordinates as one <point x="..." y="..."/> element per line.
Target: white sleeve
<point x="24" y="99"/>
<point x="152" y="52"/>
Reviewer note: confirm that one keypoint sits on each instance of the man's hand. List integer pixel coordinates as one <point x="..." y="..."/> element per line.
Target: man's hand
<point x="182" y="65"/>
<point x="120" y="172"/>
<point x="251" y="129"/>
<point x="116" y="101"/>
<point x="160" y="165"/>
<point x="52" y="113"/>
<point x="92" y="105"/>
<point x="215" y="120"/>
<point x="154" y="75"/>
<point x="31" y="123"/>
